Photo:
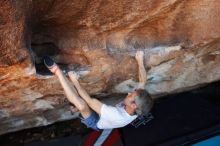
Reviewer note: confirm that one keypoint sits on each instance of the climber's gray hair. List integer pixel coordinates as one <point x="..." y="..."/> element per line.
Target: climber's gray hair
<point x="143" y="101"/>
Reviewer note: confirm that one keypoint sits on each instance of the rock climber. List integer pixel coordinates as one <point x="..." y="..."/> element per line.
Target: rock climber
<point x="97" y="115"/>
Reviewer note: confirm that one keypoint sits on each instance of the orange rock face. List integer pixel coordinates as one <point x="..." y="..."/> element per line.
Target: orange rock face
<point x="181" y="41"/>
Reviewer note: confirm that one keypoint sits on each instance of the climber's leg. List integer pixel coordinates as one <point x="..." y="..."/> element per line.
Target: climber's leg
<point x="70" y="91"/>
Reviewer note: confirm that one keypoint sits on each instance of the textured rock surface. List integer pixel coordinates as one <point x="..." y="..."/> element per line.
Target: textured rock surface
<point x="181" y="41"/>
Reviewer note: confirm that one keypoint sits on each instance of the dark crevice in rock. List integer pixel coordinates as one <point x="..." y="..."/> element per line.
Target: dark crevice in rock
<point x="47" y="48"/>
<point x="41" y="50"/>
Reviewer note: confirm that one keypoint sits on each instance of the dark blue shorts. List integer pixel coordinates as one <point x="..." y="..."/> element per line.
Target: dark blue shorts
<point x="91" y="121"/>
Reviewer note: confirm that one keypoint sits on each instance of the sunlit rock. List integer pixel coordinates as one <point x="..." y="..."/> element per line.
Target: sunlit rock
<point x="98" y="39"/>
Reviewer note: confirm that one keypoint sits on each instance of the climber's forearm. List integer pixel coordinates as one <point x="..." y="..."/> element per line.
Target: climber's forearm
<point x="92" y="102"/>
<point x="71" y="95"/>
<point x="82" y="92"/>
<point x="142" y="72"/>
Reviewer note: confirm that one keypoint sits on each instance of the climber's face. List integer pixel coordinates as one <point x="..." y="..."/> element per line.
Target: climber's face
<point x="129" y="101"/>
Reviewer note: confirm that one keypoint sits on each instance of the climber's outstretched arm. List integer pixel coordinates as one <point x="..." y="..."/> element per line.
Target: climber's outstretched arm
<point x="93" y="103"/>
<point x="141" y="69"/>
